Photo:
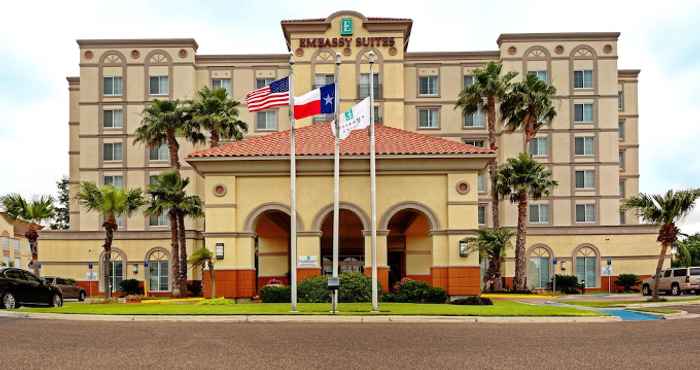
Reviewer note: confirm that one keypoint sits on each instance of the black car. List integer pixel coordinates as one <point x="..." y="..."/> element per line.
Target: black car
<point x="20" y="287"/>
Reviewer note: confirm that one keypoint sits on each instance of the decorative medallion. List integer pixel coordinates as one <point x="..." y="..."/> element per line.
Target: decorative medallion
<point x="219" y="190"/>
<point x="393" y="51"/>
<point x="89" y="54"/>
<point x="462" y="187"/>
<point x="182" y="53"/>
<point x="135" y="54"/>
<point x="347" y="52"/>
<point x="607" y="49"/>
<point x="299" y="52"/>
<point x="559" y="49"/>
<point x="512" y="50"/>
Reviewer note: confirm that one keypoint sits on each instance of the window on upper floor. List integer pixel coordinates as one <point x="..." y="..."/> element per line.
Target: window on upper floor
<point x="481" y="182"/>
<point x="622" y="160"/>
<point x="115" y="180"/>
<point x="363" y="88"/>
<point x="112" y="86"/>
<point x="322" y="79"/>
<point x="159" y="220"/>
<point x="585" y="179"/>
<point x="377" y="114"/>
<point x="541" y="75"/>
<point x="583" y="146"/>
<point x="475" y="120"/>
<point x="159" y="153"/>
<point x="539" y="147"/>
<point x="428" y="118"/>
<point x="428" y="86"/>
<point x="482" y="215"/>
<point x="112" y="151"/>
<point x="481" y="143"/>
<point x="583" y="79"/>
<point x="621" y="100"/>
<point x="262" y="82"/>
<point x="266" y="120"/>
<point x="221" y="83"/>
<point x="468" y="80"/>
<point x="112" y="118"/>
<point x="158" y="85"/>
<point x="583" y="112"/>
<point x="585" y="213"/>
<point x="621" y="129"/>
<point x="623" y="218"/>
<point x="538" y="213"/>
<point x="622" y="188"/>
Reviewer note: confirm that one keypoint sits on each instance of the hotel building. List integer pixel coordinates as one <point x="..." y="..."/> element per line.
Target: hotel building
<point x="433" y="191"/>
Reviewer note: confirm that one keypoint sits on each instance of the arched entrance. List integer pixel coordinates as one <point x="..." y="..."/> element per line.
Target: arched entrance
<point x="409" y="246"/>
<point x="272" y="247"/>
<point x="351" y="248"/>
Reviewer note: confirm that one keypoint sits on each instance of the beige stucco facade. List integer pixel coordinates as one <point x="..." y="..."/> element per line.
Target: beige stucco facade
<point x="13" y="244"/>
<point x="610" y="159"/>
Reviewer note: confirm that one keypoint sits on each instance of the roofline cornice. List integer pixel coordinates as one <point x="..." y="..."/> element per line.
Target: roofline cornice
<point x="241" y="58"/>
<point x="628" y="73"/>
<point x="345" y="157"/>
<point x="138" y="42"/>
<point x="557" y="36"/>
<point x="452" y="55"/>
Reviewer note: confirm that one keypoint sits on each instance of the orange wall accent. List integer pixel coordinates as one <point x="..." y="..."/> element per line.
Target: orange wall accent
<point x="439" y="277"/>
<point x="382" y="276"/>
<point x="463" y="280"/>
<point x="231" y="283"/>
<point x="305" y="273"/>
<point x="426" y="278"/>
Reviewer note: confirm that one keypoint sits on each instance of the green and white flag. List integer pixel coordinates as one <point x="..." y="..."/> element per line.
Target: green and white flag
<point x="356" y="118"/>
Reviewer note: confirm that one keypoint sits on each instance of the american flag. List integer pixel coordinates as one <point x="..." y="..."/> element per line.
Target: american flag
<point x="275" y="94"/>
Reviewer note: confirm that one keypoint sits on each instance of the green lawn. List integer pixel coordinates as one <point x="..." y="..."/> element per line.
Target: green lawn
<point x="610" y="303"/>
<point x="500" y="308"/>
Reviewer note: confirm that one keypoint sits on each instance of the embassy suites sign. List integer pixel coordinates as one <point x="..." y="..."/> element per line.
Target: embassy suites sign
<point x="342" y="42"/>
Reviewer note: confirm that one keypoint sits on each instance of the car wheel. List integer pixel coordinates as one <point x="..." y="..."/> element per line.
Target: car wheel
<point x="56" y="301"/>
<point x="81" y="296"/>
<point x="9" y="301"/>
<point x="645" y="290"/>
<point x="675" y="290"/>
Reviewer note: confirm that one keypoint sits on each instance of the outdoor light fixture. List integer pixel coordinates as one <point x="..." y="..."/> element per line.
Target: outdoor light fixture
<point x="219" y="251"/>
<point x="464" y="248"/>
<point x="136" y="268"/>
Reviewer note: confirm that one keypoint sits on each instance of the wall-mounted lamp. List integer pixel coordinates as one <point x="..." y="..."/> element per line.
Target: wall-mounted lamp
<point x="464" y="248"/>
<point x="135" y="268"/>
<point x="219" y="251"/>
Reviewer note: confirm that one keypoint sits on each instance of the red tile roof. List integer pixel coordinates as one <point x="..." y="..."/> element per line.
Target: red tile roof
<point x="317" y="140"/>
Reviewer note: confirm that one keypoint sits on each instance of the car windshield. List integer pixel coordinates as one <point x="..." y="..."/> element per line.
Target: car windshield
<point x="695" y="271"/>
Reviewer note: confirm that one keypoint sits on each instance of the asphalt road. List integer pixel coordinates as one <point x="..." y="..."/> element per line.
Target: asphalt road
<point x="79" y="344"/>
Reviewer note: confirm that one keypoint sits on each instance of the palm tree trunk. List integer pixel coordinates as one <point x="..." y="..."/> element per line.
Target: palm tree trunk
<point x="175" y="254"/>
<point x="491" y="117"/>
<point x="659" y="266"/>
<point x="213" y="138"/>
<point x="493" y="278"/>
<point x="212" y="279"/>
<point x="32" y="236"/>
<point x="110" y="225"/>
<point x="173" y="147"/>
<point x="182" y="276"/>
<point x="520" y="278"/>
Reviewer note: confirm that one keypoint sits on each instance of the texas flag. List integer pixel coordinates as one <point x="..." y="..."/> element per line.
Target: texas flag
<point x="318" y="101"/>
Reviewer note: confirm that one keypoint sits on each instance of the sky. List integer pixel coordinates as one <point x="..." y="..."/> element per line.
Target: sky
<point x="38" y="50"/>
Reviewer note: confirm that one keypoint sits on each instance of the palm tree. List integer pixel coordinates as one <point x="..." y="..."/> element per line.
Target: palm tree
<point x="111" y="203"/>
<point x="217" y="112"/>
<point x="665" y="210"/>
<point x="520" y="179"/>
<point x="191" y="206"/>
<point x="528" y="105"/>
<point x="33" y="212"/>
<point x="492" y="244"/>
<point x="163" y="121"/>
<point x="488" y="88"/>
<point x="203" y="258"/>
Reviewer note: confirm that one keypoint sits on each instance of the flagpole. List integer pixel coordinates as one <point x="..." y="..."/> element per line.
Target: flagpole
<point x="292" y="190"/>
<point x="373" y="185"/>
<point x="336" y="180"/>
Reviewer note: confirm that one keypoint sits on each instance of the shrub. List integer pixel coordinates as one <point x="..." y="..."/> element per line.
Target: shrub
<point x="130" y="287"/>
<point x="413" y="291"/>
<point x="567" y="283"/>
<point x="195" y="288"/>
<point x="314" y="290"/>
<point x="473" y="301"/>
<point x="276" y="294"/>
<point x="627" y="281"/>
<point x="354" y="287"/>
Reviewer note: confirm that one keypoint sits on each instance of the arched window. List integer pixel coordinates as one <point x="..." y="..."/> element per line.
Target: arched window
<point x="587" y="266"/>
<point x="158" y="271"/>
<point x="116" y="270"/>
<point x="538" y="265"/>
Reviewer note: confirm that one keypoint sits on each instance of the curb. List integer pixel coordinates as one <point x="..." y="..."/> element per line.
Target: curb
<point x="312" y="318"/>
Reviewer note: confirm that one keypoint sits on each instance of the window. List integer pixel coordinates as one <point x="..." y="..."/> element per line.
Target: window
<point x="622" y="160"/>
<point x="583" y="112"/>
<point x="363" y="89"/>
<point x="221" y="83"/>
<point x="158" y="85"/>
<point x="322" y="80"/>
<point x="428" y="118"/>
<point x="667" y="273"/>
<point x="112" y="151"/>
<point x="587" y="267"/>
<point x="158" y="272"/>
<point x="622" y="218"/>
<point x="583" y="79"/>
<point x="162" y="219"/>
<point x="152" y="179"/>
<point x="621" y="101"/>
<point x="539" y="213"/>
<point x="114" y="180"/>
<point x="480" y="143"/>
<point x="262" y="82"/>
<point x="159" y="153"/>
<point x="428" y="85"/>
<point x="482" y="215"/>
<point x="585" y="213"/>
<point x="541" y="75"/>
<point x="621" y="129"/>
<point x="585" y="179"/>
<point x="474" y="120"/>
<point x="468" y="80"/>
<point x="266" y="120"/>
<point x="112" y="85"/>
<point x="583" y="146"/>
<point x="695" y="271"/>
<point x="622" y="188"/>
<point x="481" y="182"/>
<point x="112" y="118"/>
<point x="116" y="273"/>
<point x="680" y="272"/>
<point x="538" y="147"/>
<point x="377" y="112"/>
<point x="538" y="269"/>
<point x="121" y="221"/>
